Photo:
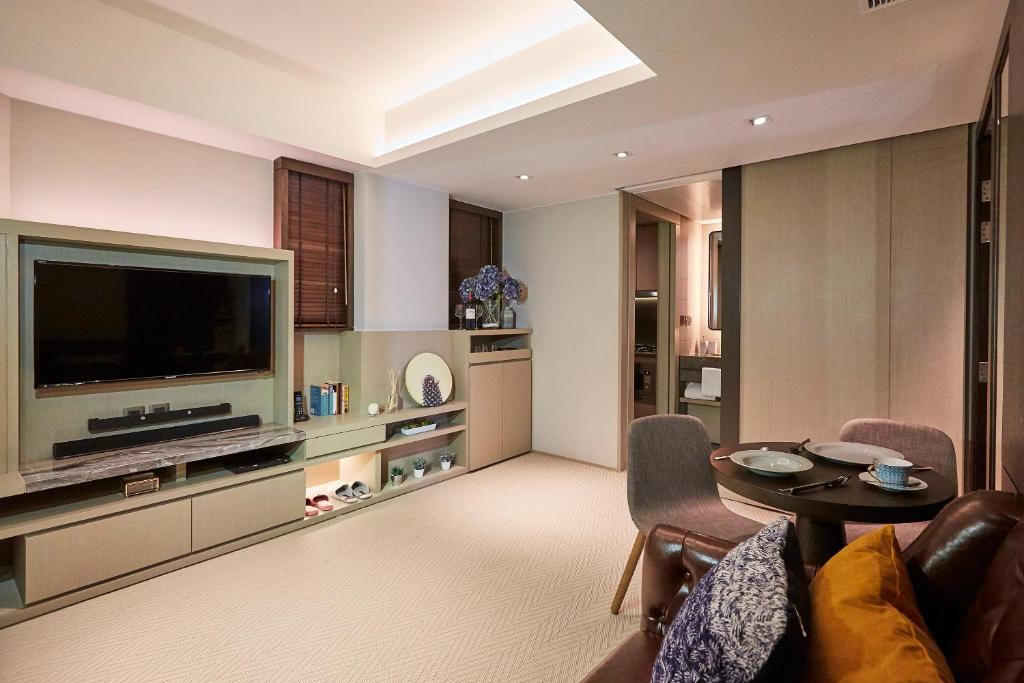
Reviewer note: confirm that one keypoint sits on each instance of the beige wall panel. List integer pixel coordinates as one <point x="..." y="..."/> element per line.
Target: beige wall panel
<point x="54" y="562"/>
<point x="929" y="209"/>
<point x="46" y="419"/>
<point x="231" y="513"/>
<point x="485" y="432"/>
<point x="517" y="391"/>
<point x="7" y="462"/>
<point x="815" y="297"/>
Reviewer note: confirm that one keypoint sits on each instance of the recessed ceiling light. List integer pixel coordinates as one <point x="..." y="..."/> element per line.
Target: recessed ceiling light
<point x="523" y="176"/>
<point x="760" y="120"/>
<point x="623" y="154"/>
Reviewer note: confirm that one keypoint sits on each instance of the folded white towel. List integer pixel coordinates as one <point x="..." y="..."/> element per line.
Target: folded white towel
<point x="694" y="392"/>
<point x="711" y="381"/>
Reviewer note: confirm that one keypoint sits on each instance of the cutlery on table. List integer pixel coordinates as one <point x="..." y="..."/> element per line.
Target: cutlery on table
<point x="830" y="484"/>
<point x="799" y="447"/>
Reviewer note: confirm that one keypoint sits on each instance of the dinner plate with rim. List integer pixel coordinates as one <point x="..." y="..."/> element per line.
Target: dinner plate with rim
<point x="771" y="463"/>
<point x="913" y="484"/>
<point x="850" y="453"/>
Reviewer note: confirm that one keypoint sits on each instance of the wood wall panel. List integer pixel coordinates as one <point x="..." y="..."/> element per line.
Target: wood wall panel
<point x="815" y="295"/>
<point x="929" y="213"/>
<point x="853" y="281"/>
<point x="1011" y="408"/>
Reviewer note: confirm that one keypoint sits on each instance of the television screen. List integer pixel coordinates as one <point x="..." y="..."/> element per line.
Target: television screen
<point x="100" y="323"/>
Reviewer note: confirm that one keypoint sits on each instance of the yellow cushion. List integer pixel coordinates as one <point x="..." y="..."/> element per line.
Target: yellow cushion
<point x="865" y="625"/>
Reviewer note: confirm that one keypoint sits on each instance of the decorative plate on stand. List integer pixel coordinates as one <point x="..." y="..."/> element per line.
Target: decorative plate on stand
<point x="428" y="379"/>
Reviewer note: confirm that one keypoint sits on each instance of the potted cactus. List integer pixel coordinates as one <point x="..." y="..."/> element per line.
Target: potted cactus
<point x="419" y="466"/>
<point x="397" y="474"/>
<point x="447" y="459"/>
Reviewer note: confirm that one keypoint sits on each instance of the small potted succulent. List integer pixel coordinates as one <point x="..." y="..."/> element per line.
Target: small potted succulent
<point x="397" y="474"/>
<point x="419" y="466"/>
<point x="446" y="459"/>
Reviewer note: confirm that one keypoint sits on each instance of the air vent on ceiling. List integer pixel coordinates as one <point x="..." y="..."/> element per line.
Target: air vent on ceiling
<point x="872" y="5"/>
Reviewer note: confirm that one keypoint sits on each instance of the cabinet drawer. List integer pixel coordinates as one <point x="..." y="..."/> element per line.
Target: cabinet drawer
<point x="225" y="515"/>
<point x="49" y="563"/>
<point x="324" y="445"/>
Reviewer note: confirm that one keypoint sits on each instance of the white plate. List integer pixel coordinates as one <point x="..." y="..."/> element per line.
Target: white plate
<point x="771" y="463"/>
<point x="849" y="453"/>
<point x="915" y="484"/>
<point x="428" y="364"/>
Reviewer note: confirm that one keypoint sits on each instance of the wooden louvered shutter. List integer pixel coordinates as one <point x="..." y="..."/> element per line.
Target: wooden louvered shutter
<point x="474" y="241"/>
<point x="313" y="218"/>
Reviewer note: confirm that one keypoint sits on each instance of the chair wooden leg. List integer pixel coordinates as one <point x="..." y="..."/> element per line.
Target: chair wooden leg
<point x="627" y="573"/>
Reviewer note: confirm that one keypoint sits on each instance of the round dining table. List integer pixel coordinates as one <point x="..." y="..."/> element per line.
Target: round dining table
<point x="821" y="513"/>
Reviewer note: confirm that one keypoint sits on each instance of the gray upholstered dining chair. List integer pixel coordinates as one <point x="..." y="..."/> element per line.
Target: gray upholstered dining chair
<point x="922" y="445"/>
<point x="669" y="481"/>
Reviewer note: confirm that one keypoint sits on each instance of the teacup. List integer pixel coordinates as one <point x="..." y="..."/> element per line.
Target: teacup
<point x="891" y="471"/>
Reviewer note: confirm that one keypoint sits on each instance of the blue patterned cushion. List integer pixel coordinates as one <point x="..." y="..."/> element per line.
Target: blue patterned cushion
<point x="746" y="619"/>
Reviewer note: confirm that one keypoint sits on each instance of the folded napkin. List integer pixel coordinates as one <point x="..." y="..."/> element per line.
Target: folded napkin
<point x="711" y="381"/>
<point x="693" y="391"/>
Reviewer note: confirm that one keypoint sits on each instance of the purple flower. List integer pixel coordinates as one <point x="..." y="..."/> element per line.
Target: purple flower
<point x="466" y="289"/>
<point x="488" y="282"/>
<point x="512" y="289"/>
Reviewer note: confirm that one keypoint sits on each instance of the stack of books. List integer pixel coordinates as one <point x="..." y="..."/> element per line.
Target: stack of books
<point x="329" y="398"/>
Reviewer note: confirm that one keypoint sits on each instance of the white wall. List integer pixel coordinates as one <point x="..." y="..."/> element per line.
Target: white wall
<point x="568" y="255"/>
<point x="5" y="156"/>
<point x="401" y="256"/>
<point x="76" y="170"/>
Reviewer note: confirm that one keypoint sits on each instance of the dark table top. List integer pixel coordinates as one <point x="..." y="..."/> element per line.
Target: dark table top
<point x="853" y="502"/>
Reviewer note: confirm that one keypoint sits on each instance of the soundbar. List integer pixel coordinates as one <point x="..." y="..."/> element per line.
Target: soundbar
<point x="99" y="444"/>
<point x="106" y="424"/>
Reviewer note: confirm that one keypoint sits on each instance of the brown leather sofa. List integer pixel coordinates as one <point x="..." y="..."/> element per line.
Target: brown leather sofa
<point x="968" y="573"/>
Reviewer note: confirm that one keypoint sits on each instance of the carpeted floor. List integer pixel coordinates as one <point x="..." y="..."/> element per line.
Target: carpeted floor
<point x="501" y="575"/>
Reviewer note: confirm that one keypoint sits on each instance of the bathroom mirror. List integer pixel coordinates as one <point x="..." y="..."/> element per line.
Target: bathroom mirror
<point x="715" y="280"/>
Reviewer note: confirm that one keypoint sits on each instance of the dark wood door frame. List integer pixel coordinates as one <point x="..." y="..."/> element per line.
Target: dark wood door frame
<point x="732" y="271"/>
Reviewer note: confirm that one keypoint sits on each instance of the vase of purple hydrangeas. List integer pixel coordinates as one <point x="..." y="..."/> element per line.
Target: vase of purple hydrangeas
<point x="490" y="287"/>
<point x="511" y="292"/>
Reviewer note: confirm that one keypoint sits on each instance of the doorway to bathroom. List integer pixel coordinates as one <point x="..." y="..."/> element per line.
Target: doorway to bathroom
<point x="673" y="296"/>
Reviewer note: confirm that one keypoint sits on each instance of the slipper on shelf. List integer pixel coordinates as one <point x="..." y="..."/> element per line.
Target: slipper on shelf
<point x="323" y="503"/>
<point x="346" y="494"/>
<point x="311" y="510"/>
<point x="362" y="490"/>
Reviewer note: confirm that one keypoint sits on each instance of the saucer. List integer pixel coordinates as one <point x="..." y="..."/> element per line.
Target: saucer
<point x="913" y="484"/>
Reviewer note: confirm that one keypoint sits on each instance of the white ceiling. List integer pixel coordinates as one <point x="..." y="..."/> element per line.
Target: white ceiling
<point x="331" y="76"/>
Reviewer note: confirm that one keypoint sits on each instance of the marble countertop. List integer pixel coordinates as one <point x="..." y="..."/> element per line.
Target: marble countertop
<point x="51" y="474"/>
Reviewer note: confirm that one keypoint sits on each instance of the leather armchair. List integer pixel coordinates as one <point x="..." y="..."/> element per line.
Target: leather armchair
<point x="967" y="568"/>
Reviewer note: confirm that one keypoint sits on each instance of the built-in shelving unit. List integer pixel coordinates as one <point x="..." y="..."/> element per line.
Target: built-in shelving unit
<point x="67" y="531"/>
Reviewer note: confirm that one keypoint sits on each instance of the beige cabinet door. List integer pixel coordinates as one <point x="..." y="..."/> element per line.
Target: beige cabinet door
<point x="517" y="407"/>
<point x="52" y="562"/>
<point x="485" y="404"/>
<point x="227" y="514"/>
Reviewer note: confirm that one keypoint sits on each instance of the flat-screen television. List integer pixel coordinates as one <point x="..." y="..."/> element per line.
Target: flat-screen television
<point x="102" y="323"/>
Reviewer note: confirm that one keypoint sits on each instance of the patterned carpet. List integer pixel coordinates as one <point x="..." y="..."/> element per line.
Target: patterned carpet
<point x="501" y="575"/>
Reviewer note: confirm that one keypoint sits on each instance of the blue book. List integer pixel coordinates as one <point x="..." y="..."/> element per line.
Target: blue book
<point x="317" y="400"/>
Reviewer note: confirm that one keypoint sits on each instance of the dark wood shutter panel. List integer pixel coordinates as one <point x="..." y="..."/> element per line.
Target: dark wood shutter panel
<point x="314" y="216"/>
<point x="474" y="241"/>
